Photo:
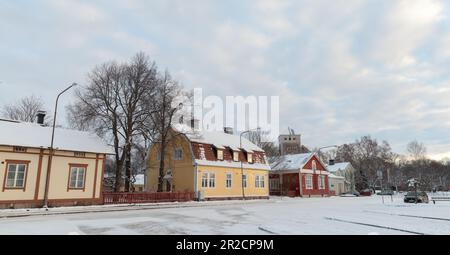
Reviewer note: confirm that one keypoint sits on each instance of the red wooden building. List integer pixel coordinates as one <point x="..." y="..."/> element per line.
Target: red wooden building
<point x="298" y="175"/>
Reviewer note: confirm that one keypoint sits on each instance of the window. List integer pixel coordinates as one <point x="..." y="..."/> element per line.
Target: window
<point x="205" y="180"/>
<point x="259" y="181"/>
<point x="308" y="181"/>
<point x="79" y="154"/>
<point x="235" y="155"/>
<point x="158" y="156"/>
<point x="321" y="182"/>
<point x="208" y="180"/>
<point x="19" y="149"/>
<point x="244" y="180"/>
<point x="314" y="165"/>
<point x="250" y="158"/>
<point x="274" y="184"/>
<point x="16" y="175"/>
<point x="229" y="180"/>
<point x="220" y="154"/>
<point x="178" y="154"/>
<point x="77" y="177"/>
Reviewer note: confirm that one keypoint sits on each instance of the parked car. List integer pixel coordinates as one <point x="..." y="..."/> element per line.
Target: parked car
<point x="366" y="193"/>
<point x="350" y="194"/>
<point x="386" y="192"/>
<point x="413" y="197"/>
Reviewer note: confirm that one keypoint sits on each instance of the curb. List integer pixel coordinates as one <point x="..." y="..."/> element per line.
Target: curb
<point x="129" y="207"/>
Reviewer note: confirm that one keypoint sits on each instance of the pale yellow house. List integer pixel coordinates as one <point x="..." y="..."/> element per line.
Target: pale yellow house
<point x="76" y="169"/>
<point x="209" y="164"/>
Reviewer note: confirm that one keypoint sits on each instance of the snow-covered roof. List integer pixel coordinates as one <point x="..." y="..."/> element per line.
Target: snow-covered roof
<point x="338" y="166"/>
<point x="15" y="133"/>
<point x="232" y="164"/>
<point x="333" y="176"/>
<point x="290" y="162"/>
<point x="140" y="179"/>
<point x="216" y="138"/>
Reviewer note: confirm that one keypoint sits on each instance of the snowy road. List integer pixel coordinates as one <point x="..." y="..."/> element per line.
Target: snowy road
<point x="325" y="216"/>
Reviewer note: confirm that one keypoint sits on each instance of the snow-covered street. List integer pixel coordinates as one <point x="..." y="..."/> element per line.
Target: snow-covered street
<point x="325" y="216"/>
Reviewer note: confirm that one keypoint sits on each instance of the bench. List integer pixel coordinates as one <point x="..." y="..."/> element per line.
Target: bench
<point x="434" y="199"/>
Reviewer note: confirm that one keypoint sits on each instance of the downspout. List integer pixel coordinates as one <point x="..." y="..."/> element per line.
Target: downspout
<point x="300" y="183"/>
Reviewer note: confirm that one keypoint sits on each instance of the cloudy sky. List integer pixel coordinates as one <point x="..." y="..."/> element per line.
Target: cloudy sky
<point x="342" y="68"/>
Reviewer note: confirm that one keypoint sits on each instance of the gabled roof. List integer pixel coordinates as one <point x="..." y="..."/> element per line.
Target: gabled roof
<point x="216" y="138"/>
<point x="338" y="166"/>
<point x="15" y="133"/>
<point x="290" y="162"/>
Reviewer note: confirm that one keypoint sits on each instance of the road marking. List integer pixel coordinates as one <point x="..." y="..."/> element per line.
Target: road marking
<point x="268" y="231"/>
<point x="375" y="226"/>
<point x="411" y="216"/>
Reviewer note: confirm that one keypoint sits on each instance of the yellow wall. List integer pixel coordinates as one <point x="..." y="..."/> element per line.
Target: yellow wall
<point x="59" y="175"/>
<point x="182" y="170"/>
<point x="220" y="189"/>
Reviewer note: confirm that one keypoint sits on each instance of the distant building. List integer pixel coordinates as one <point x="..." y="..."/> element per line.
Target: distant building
<point x="336" y="184"/>
<point x="345" y="170"/>
<point x="291" y="144"/>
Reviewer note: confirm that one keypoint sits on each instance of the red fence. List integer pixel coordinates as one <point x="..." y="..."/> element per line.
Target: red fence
<point x="135" y="198"/>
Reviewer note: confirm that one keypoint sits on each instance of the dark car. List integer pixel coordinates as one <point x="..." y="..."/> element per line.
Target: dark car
<point x="416" y="197"/>
<point x="386" y="192"/>
<point x="350" y="194"/>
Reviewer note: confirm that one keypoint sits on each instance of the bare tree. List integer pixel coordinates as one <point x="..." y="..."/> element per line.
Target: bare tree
<point x="416" y="150"/>
<point x="113" y="105"/>
<point x="24" y="109"/>
<point x="164" y="107"/>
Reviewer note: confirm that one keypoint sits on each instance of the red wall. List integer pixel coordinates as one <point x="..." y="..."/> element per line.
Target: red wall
<point x="315" y="191"/>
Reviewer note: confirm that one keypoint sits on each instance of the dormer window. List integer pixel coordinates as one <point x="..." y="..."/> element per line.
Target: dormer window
<point x="250" y="158"/>
<point x="236" y="155"/>
<point x="219" y="154"/>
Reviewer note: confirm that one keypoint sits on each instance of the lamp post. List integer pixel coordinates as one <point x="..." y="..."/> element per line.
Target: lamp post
<point x="242" y="167"/>
<point x="317" y="151"/>
<point x="50" y="157"/>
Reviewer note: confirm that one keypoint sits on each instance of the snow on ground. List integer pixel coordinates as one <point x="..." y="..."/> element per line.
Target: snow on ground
<point x="323" y="216"/>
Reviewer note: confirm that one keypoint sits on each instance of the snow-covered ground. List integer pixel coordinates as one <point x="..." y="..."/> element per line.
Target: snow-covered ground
<point x="326" y="216"/>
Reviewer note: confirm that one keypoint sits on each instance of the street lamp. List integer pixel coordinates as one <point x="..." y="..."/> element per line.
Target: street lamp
<point x="50" y="157"/>
<point x="242" y="167"/>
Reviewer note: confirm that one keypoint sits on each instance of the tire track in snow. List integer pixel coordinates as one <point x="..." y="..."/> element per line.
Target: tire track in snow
<point x="410" y="216"/>
<point x="373" y="225"/>
<point x="267" y="231"/>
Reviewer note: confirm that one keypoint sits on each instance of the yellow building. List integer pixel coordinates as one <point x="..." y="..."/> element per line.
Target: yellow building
<point x="209" y="164"/>
<point x="76" y="169"/>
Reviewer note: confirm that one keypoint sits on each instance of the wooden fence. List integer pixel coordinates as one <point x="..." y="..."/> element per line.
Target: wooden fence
<point x="156" y="197"/>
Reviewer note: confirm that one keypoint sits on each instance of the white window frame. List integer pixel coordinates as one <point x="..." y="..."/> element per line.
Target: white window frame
<point x="208" y="180"/>
<point x="245" y="180"/>
<point x="250" y="157"/>
<point x="259" y="181"/>
<point x="175" y="154"/>
<point x="309" y="181"/>
<point x="219" y="154"/>
<point x="321" y="179"/>
<point x="16" y="172"/>
<point x="228" y="180"/>
<point x="235" y="156"/>
<point x="78" y="180"/>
